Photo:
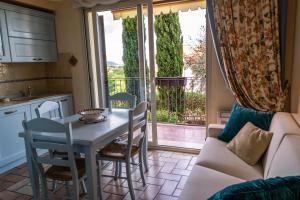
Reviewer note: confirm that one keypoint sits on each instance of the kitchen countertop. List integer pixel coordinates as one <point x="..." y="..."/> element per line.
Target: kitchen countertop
<point x="5" y="105"/>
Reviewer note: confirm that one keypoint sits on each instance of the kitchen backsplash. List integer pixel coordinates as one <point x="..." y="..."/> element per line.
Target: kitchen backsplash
<point x="42" y="77"/>
<point x="59" y="75"/>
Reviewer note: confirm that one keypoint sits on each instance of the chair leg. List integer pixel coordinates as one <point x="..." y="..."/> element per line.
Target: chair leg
<point x="67" y="188"/>
<point x="129" y="179"/>
<point x="145" y="152"/>
<point x="44" y="188"/>
<point x="120" y="169"/>
<point x="116" y="170"/>
<point x="141" y="168"/>
<point x="75" y="190"/>
<point x="83" y="186"/>
<point x="54" y="185"/>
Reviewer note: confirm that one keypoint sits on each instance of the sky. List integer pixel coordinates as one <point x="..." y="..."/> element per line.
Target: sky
<point x="190" y="22"/>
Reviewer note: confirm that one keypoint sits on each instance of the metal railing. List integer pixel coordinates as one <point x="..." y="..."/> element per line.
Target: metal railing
<point x="180" y="100"/>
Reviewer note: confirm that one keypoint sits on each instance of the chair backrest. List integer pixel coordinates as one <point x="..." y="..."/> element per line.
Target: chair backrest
<point x="46" y="134"/>
<point x="51" y="108"/>
<point x="122" y="100"/>
<point x="137" y="120"/>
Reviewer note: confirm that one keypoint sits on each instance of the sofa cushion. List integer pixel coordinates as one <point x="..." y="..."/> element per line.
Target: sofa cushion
<point x="280" y="188"/>
<point x="282" y="123"/>
<point x="239" y="116"/>
<point x="204" y="182"/>
<point x="286" y="161"/>
<point x="215" y="155"/>
<point x="296" y="118"/>
<point x="250" y="143"/>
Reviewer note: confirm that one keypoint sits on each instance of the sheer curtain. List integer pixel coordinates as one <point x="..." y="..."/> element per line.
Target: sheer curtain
<point x="92" y="3"/>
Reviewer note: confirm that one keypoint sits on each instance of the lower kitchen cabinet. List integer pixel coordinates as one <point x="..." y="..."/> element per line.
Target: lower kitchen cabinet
<point x="12" y="148"/>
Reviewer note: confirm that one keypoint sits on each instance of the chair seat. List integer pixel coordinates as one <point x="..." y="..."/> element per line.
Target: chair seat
<point x="60" y="173"/>
<point x="124" y="137"/>
<point x="117" y="150"/>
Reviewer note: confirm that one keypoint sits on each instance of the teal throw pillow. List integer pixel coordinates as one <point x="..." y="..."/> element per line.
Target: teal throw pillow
<point x="279" y="188"/>
<point x="239" y="116"/>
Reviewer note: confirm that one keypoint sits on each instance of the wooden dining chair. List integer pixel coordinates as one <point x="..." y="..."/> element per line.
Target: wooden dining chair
<point x="46" y="134"/>
<point x="124" y="151"/>
<point x="49" y="109"/>
<point x="128" y="101"/>
<point x="121" y="100"/>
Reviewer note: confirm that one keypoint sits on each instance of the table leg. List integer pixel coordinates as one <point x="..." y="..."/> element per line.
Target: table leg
<point x="91" y="171"/>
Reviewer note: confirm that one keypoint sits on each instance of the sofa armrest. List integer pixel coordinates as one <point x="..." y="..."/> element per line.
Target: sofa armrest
<point x="214" y="129"/>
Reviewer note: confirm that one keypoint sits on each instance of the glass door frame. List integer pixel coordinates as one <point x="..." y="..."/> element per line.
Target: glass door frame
<point x="96" y="54"/>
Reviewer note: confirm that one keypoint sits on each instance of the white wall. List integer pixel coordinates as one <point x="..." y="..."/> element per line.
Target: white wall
<point x="219" y="96"/>
<point x="295" y="87"/>
<point x="70" y="39"/>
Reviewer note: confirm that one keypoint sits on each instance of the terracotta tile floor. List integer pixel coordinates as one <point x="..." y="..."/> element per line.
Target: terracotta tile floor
<point x="168" y="172"/>
<point x="180" y="135"/>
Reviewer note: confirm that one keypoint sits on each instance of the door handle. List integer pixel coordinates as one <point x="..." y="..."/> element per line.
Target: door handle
<point x="10" y="112"/>
<point x="63" y="100"/>
<point x="40" y="58"/>
<point x="35" y="59"/>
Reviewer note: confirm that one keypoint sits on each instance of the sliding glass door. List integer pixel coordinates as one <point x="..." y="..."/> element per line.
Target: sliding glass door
<point x="122" y="59"/>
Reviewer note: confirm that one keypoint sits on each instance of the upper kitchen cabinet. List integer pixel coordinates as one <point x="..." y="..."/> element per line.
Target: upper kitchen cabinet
<point x="29" y="50"/>
<point x="4" y="44"/>
<point x="30" y="34"/>
<point x="28" y="26"/>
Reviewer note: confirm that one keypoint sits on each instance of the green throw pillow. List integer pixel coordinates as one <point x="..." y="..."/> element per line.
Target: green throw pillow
<point x="279" y="188"/>
<point x="239" y="116"/>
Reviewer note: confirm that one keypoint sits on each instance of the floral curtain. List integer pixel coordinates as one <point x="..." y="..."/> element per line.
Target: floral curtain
<point x="249" y="47"/>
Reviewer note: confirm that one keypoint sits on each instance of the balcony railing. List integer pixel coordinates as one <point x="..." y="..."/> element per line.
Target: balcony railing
<point x="180" y="100"/>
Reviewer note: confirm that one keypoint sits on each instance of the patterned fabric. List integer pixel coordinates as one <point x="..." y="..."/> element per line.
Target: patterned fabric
<point x="248" y="35"/>
<point x="92" y="3"/>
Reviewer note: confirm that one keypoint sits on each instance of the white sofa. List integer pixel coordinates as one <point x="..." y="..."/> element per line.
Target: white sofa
<point x="217" y="167"/>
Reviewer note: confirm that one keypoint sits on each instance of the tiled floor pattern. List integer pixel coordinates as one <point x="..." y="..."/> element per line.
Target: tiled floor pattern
<point x="166" y="178"/>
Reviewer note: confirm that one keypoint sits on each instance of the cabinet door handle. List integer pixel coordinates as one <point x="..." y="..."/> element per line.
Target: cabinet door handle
<point x="63" y="100"/>
<point x="10" y="112"/>
<point x="35" y="59"/>
<point x="40" y="58"/>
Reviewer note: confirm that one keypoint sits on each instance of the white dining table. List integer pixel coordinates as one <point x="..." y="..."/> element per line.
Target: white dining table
<point x="87" y="139"/>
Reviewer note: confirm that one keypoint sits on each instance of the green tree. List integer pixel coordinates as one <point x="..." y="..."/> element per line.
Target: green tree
<point x="196" y="61"/>
<point x="131" y="55"/>
<point x="169" y="59"/>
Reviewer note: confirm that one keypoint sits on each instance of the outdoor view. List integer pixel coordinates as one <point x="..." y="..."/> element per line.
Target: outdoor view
<point x="180" y="69"/>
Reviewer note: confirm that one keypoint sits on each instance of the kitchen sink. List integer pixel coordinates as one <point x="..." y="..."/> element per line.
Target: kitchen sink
<point x="27" y="98"/>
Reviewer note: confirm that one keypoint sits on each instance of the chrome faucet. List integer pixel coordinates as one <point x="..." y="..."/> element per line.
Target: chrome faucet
<point x="29" y="91"/>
